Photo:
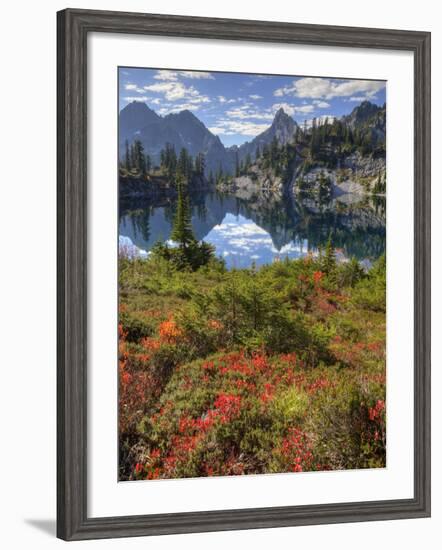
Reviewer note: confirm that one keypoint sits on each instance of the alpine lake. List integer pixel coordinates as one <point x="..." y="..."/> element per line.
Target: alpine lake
<point x="256" y="228"/>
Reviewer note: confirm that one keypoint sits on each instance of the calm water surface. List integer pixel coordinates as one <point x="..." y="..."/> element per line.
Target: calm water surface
<point x="262" y="227"/>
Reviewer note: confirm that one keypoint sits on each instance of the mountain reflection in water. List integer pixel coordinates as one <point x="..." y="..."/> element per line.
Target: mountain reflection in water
<point x="259" y="228"/>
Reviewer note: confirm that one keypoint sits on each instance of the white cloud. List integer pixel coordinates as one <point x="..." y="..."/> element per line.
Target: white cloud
<point x="166" y="75"/>
<point x="139" y="98"/>
<point x="176" y="108"/>
<point x="321" y="104"/>
<point x="248" y="111"/>
<point x="293" y="109"/>
<point x="133" y="88"/>
<point x="243" y="229"/>
<point x="251" y="113"/>
<point x="323" y="88"/>
<point x="172" y="76"/>
<point x="289" y="109"/>
<point x="175" y="91"/>
<point x="229" y="127"/>
<point x="357" y="98"/>
<point x="220" y="130"/>
<point x="255" y="96"/>
<point x="223" y="99"/>
<point x="128" y="249"/>
<point x="198" y="75"/>
<point x="305" y="109"/>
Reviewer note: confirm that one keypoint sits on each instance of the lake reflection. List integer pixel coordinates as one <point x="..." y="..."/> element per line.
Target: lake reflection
<point x="260" y="228"/>
<point x="240" y="241"/>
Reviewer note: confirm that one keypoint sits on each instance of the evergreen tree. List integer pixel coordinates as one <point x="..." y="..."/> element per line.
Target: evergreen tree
<point x="148" y="164"/>
<point x="168" y="161"/>
<point x="265" y="156"/>
<point x="219" y="176"/>
<point x="314" y="140"/>
<point x="329" y="260"/>
<point x="247" y="163"/>
<point x="127" y="157"/>
<point x="200" y="164"/>
<point x="351" y="273"/>
<point x="274" y="152"/>
<point x="189" y="253"/>
<point x="138" y="156"/>
<point x="182" y="232"/>
<point x="132" y="156"/>
<point x="184" y="166"/>
<point x="211" y="178"/>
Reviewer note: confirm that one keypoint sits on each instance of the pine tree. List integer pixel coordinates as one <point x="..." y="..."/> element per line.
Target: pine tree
<point x="329" y="259"/>
<point x="200" y="164"/>
<point x="182" y="232"/>
<point x="219" y="176"/>
<point x="237" y="169"/>
<point x="314" y="140"/>
<point x="132" y="156"/>
<point x="168" y="161"/>
<point x="352" y="272"/>
<point x="127" y="157"/>
<point x="183" y="165"/>
<point x="247" y="162"/>
<point x="274" y="152"/>
<point x="138" y="156"/>
<point x="148" y="164"/>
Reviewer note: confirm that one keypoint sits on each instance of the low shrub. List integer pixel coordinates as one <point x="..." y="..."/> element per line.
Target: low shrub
<point x="277" y="369"/>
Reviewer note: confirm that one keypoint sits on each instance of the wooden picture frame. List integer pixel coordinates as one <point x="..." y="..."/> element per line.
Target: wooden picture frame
<point x="73" y="28"/>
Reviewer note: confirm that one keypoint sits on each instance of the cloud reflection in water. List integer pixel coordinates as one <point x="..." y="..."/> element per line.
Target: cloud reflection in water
<point x="240" y="241"/>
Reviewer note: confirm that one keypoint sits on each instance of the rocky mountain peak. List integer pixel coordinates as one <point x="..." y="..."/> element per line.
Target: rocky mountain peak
<point x="138" y="108"/>
<point x="283" y="119"/>
<point x="283" y="126"/>
<point x="364" y="111"/>
<point x="281" y="114"/>
<point x="135" y="116"/>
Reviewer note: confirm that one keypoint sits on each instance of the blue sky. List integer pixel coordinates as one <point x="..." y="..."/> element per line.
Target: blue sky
<point x="237" y="106"/>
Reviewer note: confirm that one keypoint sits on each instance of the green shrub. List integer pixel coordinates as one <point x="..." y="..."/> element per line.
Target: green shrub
<point x="290" y="405"/>
<point x="135" y="327"/>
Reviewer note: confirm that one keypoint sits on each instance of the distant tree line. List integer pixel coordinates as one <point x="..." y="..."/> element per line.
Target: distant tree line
<point x="182" y="166"/>
<point x="328" y="140"/>
<point x="325" y="142"/>
<point x="135" y="160"/>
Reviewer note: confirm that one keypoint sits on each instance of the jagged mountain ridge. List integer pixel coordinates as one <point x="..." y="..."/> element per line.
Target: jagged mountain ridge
<point x="283" y="128"/>
<point x="184" y="129"/>
<point x="181" y="129"/>
<point x="369" y="119"/>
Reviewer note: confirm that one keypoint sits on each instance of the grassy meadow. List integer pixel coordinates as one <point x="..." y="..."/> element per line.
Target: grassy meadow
<point x="250" y="371"/>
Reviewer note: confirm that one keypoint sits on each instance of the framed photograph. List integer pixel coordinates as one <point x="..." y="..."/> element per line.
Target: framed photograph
<point x="243" y="274"/>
